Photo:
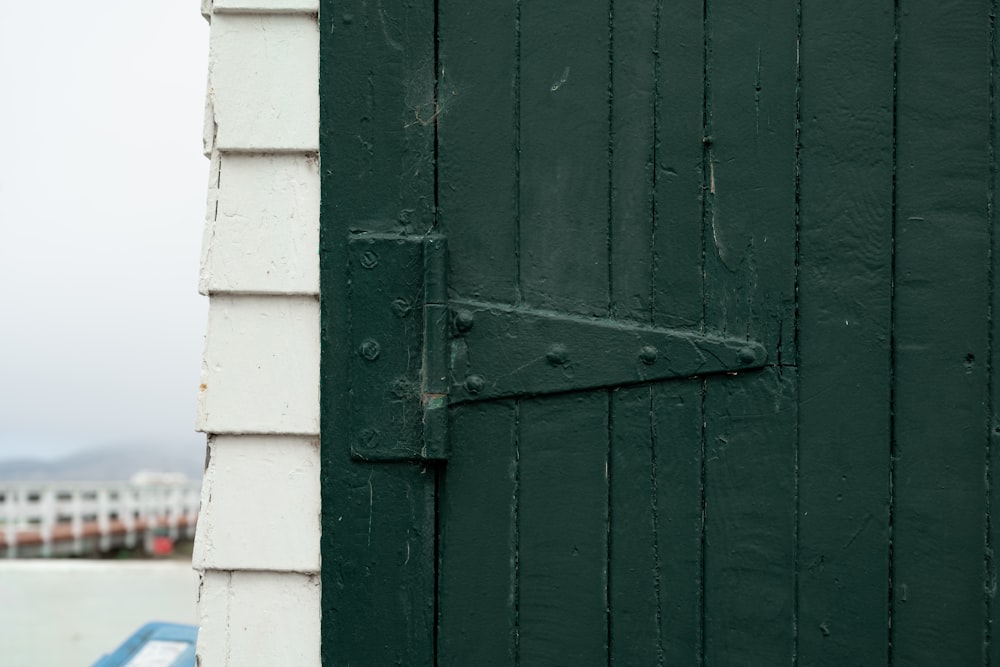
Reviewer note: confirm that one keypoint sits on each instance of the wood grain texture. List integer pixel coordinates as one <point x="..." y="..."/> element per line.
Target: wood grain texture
<point x="679" y="520"/>
<point x="750" y="519"/>
<point x="941" y="294"/>
<point x="845" y="286"/>
<point x="563" y="517"/>
<point x="750" y="227"/>
<point x="633" y="557"/>
<point x="632" y="145"/>
<point x="377" y="73"/>
<point x="678" y="266"/>
<point x="477" y="146"/>
<point x="564" y="155"/>
<point x="478" y="539"/>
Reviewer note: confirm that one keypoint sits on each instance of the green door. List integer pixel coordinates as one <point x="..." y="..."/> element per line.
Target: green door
<point x="658" y="333"/>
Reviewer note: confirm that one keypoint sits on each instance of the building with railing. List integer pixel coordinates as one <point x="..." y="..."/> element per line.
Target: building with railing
<point x="52" y="519"/>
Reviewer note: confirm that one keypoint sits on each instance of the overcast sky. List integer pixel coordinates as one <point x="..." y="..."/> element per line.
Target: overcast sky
<point x="102" y="197"/>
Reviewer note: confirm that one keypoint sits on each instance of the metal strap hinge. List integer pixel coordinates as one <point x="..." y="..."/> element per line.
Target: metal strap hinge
<point x="416" y="353"/>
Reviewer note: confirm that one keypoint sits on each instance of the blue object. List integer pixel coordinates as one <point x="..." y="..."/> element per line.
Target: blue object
<point x="155" y="645"/>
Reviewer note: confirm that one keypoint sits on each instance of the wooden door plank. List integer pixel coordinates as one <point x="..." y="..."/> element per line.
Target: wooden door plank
<point x="477" y="586"/>
<point x="678" y="267"/>
<point x="634" y="560"/>
<point x="632" y="556"/>
<point x="376" y="71"/>
<point x="992" y="637"/>
<point x="750" y="290"/>
<point x="940" y="336"/>
<point x="564" y="252"/>
<point x="678" y="294"/>
<point x="750" y="172"/>
<point x="845" y="287"/>
<point x="633" y="88"/>
<point x="750" y="519"/>
<point x="564" y="155"/>
<point x="477" y="146"/>
<point x="563" y="518"/>
<point x="678" y="514"/>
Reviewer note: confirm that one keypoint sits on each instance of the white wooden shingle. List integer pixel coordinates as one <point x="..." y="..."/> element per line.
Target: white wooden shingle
<point x="263" y="227"/>
<point x="264" y="82"/>
<point x="260" y="505"/>
<point x="269" y="6"/>
<point x="260" y="372"/>
<point x="263" y="619"/>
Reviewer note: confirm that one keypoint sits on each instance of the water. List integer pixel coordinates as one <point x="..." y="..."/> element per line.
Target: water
<point x="69" y="612"/>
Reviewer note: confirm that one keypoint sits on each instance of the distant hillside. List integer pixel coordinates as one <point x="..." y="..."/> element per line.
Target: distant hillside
<point x="106" y="464"/>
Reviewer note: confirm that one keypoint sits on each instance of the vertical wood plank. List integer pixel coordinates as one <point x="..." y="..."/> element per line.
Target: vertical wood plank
<point x="564" y="251"/>
<point x="632" y="554"/>
<point x="477" y="145"/>
<point x="941" y="293"/>
<point x="678" y="294"/>
<point x="845" y="287"/>
<point x="678" y="284"/>
<point x="633" y="577"/>
<point x="750" y="467"/>
<point x="750" y="174"/>
<point x="563" y="520"/>
<point x="564" y="155"/>
<point x="750" y="519"/>
<point x="992" y="648"/>
<point x="376" y="76"/>
<point x="633" y="88"/>
<point x="478" y="205"/>
<point x="478" y="539"/>
<point x="678" y="459"/>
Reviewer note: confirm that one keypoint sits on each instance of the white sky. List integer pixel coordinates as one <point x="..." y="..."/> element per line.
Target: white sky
<point x="102" y="197"/>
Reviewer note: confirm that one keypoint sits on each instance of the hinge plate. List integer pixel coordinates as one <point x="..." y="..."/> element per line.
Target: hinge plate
<point x="398" y="328"/>
<point x="504" y="352"/>
<point x="414" y="353"/>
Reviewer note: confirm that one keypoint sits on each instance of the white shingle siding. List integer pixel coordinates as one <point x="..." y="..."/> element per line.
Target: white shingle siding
<point x="263" y="82"/>
<point x="277" y="523"/>
<point x="263" y="232"/>
<point x="258" y="618"/>
<point x="271" y="6"/>
<point x="260" y="373"/>
<point x="257" y="543"/>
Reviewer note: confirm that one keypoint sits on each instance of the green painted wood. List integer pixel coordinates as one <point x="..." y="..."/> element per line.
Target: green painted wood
<point x="564" y="266"/>
<point x="478" y="141"/>
<point x="750" y="230"/>
<point x="478" y="539"/>
<point x="563" y="534"/>
<point x="679" y="520"/>
<point x="678" y="268"/>
<point x="845" y="311"/>
<point x="632" y="145"/>
<point x="992" y="645"/>
<point x="646" y="163"/>
<point x="378" y="579"/>
<point x="750" y="519"/>
<point x="940" y="334"/>
<point x="679" y="295"/>
<point x="633" y="554"/>
<point x="564" y="110"/>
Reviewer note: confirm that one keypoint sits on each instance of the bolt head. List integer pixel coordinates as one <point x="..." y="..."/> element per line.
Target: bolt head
<point x="369" y="259"/>
<point x="463" y="321"/>
<point x="648" y="355"/>
<point x="558" y="354"/>
<point x="370" y="349"/>
<point x="474" y="384"/>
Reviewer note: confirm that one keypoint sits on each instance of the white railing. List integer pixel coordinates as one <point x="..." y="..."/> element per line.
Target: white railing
<point x="66" y="518"/>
